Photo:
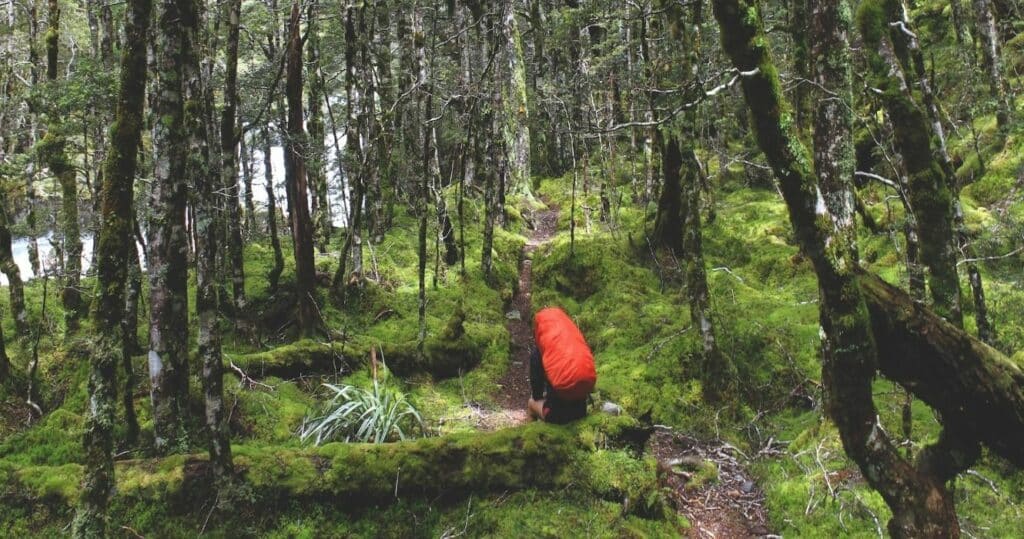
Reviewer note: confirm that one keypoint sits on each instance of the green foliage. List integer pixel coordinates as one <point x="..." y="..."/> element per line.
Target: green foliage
<point x="380" y="414"/>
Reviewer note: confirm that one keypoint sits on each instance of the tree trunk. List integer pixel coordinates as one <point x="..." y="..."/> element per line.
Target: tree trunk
<point x="114" y="246"/>
<point x="229" y="136"/>
<point x="275" y="242"/>
<point x="167" y="263"/>
<point x="921" y="506"/>
<point x="246" y="156"/>
<point x="992" y="61"/>
<point x="317" y="134"/>
<point x="668" y="224"/>
<point x="10" y="269"/>
<point x="54" y="154"/>
<point x="295" y="181"/>
<point x="355" y="160"/>
<point x="205" y="179"/>
<point x="928" y="188"/>
<point x="515" y="126"/>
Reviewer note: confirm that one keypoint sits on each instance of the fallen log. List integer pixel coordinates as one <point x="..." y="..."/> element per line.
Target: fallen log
<point x="978" y="390"/>
<point x="458" y="348"/>
<point x="352" y="477"/>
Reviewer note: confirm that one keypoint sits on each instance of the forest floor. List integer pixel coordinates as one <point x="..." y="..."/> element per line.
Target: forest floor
<point x="717" y="496"/>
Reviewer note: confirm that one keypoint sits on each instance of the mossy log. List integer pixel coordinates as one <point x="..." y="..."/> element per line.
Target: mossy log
<point x="442" y="358"/>
<point x="352" y="477"/>
<point x="974" y="386"/>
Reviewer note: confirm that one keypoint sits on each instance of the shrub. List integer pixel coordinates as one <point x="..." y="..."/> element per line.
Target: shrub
<point x="380" y="414"/>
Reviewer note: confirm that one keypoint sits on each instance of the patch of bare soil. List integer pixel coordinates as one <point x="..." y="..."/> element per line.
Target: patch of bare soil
<point x="731" y="506"/>
<point x="515" y="384"/>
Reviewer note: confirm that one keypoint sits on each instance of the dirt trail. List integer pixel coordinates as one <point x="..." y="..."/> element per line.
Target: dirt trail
<point x="514" y="386"/>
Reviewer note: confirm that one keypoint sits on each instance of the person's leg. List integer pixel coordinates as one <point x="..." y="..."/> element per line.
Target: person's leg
<point x="537" y="377"/>
<point x="538" y="381"/>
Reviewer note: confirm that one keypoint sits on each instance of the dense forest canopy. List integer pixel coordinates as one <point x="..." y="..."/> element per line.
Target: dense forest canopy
<point x="271" y="268"/>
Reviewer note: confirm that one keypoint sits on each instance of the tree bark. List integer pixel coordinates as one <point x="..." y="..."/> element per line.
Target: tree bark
<point x="921" y="506"/>
<point x="321" y="211"/>
<point x="229" y="136"/>
<point x="114" y="245"/>
<point x="295" y="181"/>
<point x="167" y="261"/>
<point x="55" y="157"/>
<point x="275" y="242"/>
<point x="976" y="389"/>
<point x="928" y="188"/>
<point x="10" y="269"/>
<point x="515" y="127"/>
<point x="991" y="60"/>
<point x="205" y="180"/>
<point x="668" y="224"/>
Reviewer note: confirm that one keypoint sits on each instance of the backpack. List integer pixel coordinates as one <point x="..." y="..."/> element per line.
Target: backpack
<point x="568" y="361"/>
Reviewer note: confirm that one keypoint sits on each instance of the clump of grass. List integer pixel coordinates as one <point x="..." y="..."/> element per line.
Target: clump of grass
<point x="378" y="414"/>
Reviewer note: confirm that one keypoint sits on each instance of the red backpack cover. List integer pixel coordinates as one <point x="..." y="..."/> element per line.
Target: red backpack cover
<point x="568" y="361"/>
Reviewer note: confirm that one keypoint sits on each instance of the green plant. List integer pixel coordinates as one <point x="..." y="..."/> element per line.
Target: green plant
<point x="377" y="415"/>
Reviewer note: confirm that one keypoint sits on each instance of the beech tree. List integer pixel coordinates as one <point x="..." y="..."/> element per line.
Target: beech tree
<point x="114" y="248"/>
<point x="295" y="180"/>
<point x="167" y="260"/>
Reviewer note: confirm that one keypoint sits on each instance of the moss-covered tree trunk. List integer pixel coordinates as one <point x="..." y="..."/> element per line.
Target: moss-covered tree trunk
<point x="167" y="242"/>
<point x="114" y="246"/>
<point x="928" y="187"/>
<point x="799" y="12"/>
<point x="54" y="155"/>
<point x="921" y="505"/>
<point x="295" y="180"/>
<point x="991" y="59"/>
<point x="229" y="136"/>
<point x="321" y="209"/>
<point x="355" y="161"/>
<point x="205" y="181"/>
<point x="10" y="269"/>
<point x="515" y="111"/>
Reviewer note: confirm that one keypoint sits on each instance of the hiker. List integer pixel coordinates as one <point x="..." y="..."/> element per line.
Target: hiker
<point x="562" y="371"/>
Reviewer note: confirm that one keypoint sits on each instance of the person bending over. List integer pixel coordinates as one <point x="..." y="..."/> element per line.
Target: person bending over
<point x="562" y="372"/>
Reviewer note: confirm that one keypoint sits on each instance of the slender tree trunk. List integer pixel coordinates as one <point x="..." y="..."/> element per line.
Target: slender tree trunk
<point x="112" y="251"/>
<point x="986" y="331"/>
<point x="355" y="160"/>
<point x="275" y="242"/>
<point x="515" y="127"/>
<point x="205" y="180"/>
<point x="229" y="136"/>
<point x="245" y="152"/>
<point x="928" y="187"/>
<point x="30" y="177"/>
<point x="991" y="60"/>
<point x="10" y="269"/>
<point x="321" y="211"/>
<point x="803" y="107"/>
<point x="54" y="153"/>
<point x="960" y="22"/>
<point x="295" y="181"/>
<point x="167" y="240"/>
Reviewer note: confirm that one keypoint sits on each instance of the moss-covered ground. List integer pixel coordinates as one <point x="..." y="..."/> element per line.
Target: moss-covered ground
<point x="630" y="303"/>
